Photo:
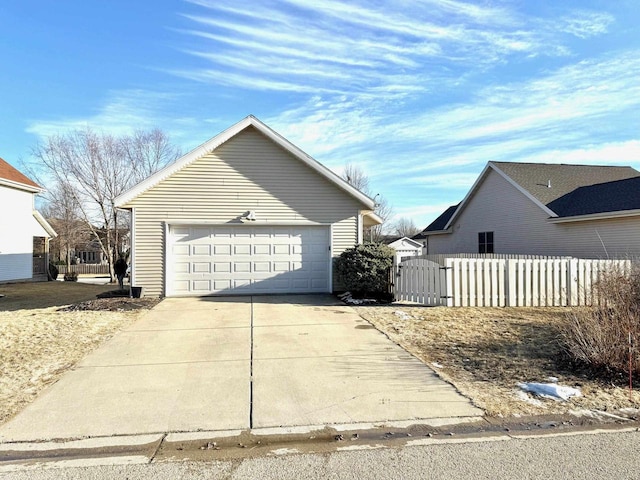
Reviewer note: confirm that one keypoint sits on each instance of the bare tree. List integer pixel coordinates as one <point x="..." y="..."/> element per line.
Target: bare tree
<point x="357" y="178"/>
<point x="63" y="212"/>
<point x="95" y="168"/>
<point x="148" y="151"/>
<point x="404" y="227"/>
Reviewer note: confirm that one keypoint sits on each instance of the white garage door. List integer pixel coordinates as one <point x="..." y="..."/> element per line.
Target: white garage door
<point x="206" y="260"/>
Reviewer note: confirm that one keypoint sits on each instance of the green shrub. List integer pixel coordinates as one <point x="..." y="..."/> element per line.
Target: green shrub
<point x="53" y="271"/>
<point x="598" y="336"/>
<point x="71" y="277"/>
<point x="365" y="269"/>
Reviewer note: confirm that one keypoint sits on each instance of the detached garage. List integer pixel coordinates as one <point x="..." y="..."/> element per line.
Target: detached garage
<point x="245" y="213"/>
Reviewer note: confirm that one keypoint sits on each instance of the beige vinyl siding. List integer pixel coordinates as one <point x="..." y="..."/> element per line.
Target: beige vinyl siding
<point x="248" y="172"/>
<point x="520" y="226"/>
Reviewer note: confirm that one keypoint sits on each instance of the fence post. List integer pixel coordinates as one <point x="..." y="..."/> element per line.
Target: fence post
<point x="448" y="273"/>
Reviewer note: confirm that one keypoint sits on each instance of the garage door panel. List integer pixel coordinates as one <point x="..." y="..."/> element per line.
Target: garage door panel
<point x="222" y="249"/>
<point x="248" y="259"/>
<point x="182" y="267"/>
<point x="222" y="267"/>
<point x="202" y="267"/>
<point x="262" y="267"/>
<point x="180" y="249"/>
<point x="221" y="285"/>
<point x="242" y="249"/>
<point x="202" y="286"/>
<point x="241" y="267"/>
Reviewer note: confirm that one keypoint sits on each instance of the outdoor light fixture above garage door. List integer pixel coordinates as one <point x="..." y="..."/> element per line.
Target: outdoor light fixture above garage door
<point x="250" y="216"/>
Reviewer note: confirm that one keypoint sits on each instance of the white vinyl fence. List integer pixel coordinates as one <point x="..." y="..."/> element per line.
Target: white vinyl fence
<point x="493" y="282"/>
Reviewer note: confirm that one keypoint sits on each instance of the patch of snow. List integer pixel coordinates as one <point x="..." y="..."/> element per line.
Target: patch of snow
<point x="630" y="411"/>
<point x="525" y="397"/>
<point x="349" y="300"/>
<point x="437" y="365"/>
<point x="552" y="379"/>
<point x="284" y="451"/>
<point x="551" y="390"/>
<point x="597" y="414"/>
<point x="401" y="314"/>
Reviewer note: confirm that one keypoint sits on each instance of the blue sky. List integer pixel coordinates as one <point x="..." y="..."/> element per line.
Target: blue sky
<point x="419" y="94"/>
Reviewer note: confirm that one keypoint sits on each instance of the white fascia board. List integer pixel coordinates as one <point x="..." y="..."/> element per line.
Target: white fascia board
<point x="374" y="218"/>
<point x="44" y="224"/>
<point x="467" y="197"/>
<point x="20" y="186"/>
<point x="226" y="135"/>
<point x="408" y="240"/>
<point x="254" y="223"/>
<point x="437" y="232"/>
<point x="596" y="216"/>
<point x="476" y="185"/>
<point x="544" y="208"/>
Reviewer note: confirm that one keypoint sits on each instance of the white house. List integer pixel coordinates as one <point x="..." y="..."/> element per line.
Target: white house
<point x="246" y="212"/>
<point x="24" y="233"/>
<point x="543" y="209"/>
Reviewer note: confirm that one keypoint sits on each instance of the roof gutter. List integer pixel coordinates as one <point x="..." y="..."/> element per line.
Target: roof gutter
<point x="438" y="232"/>
<point x="595" y="216"/>
<point x="20" y="186"/>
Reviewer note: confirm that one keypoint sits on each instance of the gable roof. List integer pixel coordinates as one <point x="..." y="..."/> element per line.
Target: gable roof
<point x="213" y="143"/>
<point x="396" y="239"/>
<point x="550" y="183"/>
<point x="12" y="177"/>
<point x="560" y="190"/>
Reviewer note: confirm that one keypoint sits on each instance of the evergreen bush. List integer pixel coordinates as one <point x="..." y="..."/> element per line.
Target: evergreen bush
<point x="364" y="270"/>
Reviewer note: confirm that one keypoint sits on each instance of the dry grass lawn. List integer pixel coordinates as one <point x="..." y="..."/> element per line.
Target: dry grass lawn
<point x="485" y="352"/>
<point x="39" y="341"/>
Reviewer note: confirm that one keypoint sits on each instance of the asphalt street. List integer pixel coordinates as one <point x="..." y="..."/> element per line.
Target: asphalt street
<point x="594" y="456"/>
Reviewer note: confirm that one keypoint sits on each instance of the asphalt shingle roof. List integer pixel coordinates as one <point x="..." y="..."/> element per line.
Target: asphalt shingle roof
<point x="567" y="190"/>
<point x="570" y="190"/>
<point x="7" y="172"/>
<point x="438" y="224"/>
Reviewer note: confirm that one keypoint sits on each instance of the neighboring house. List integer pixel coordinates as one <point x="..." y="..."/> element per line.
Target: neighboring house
<point x="543" y="209"/>
<point x="24" y="233"/>
<point x="404" y="247"/>
<point x="246" y="212"/>
<point x="77" y="240"/>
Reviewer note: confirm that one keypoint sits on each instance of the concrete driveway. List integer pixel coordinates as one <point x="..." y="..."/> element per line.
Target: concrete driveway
<point x="237" y="363"/>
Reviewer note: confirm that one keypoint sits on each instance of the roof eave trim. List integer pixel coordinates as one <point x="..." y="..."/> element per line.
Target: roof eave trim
<point x="410" y="240"/>
<point x="21" y="186"/>
<point x="596" y="216"/>
<point x="223" y="137"/>
<point x="526" y="193"/>
<point x="438" y="232"/>
<point x="44" y="224"/>
<point x="373" y="216"/>
<point x="467" y="197"/>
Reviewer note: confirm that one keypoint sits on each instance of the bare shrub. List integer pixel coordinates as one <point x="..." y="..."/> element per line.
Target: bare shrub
<point x="599" y="335"/>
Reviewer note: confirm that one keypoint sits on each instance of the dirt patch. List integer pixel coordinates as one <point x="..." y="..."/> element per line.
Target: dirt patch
<point x="486" y="352"/>
<point x="29" y="295"/>
<point x="115" y="304"/>
<point x="38" y="345"/>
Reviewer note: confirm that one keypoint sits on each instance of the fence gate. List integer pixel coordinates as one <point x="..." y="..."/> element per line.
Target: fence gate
<point x="422" y="281"/>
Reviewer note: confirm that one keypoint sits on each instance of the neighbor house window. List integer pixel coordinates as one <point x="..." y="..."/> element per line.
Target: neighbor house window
<point x="485" y="242"/>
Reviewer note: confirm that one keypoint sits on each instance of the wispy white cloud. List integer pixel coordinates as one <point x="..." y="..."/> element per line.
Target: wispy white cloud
<point x="585" y="24"/>
<point x="122" y="112"/>
<point x="363" y="47"/>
